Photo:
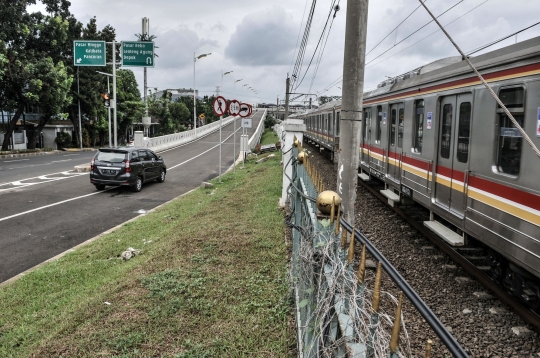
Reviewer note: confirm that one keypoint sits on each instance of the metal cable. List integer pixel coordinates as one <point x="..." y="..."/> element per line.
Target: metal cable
<point x="434" y="32"/>
<point x="506" y="111"/>
<point x="499" y="40"/>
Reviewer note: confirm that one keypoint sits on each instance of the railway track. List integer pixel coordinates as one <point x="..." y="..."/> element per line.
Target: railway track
<point x="483" y="317"/>
<point x="458" y="256"/>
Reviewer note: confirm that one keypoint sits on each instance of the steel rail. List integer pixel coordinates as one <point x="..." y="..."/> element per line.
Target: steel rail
<point x="440" y="330"/>
<point x="525" y="313"/>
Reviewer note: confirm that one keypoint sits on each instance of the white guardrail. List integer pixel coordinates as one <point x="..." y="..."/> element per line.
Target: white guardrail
<point x="172" y="140"/>
<point x="256" y="137"/>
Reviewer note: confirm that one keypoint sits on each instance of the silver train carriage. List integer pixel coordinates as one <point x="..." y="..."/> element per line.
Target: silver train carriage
<point x="435" y="135"/>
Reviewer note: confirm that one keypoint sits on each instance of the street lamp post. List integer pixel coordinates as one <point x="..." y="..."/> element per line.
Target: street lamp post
<point x="195" y="58"/>
<point x="220" y="125"/>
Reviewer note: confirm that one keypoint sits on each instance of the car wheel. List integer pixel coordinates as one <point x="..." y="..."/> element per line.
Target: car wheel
<point x="99" y="186"/>
<point x="137" y="186"/>
<point x="161" y="178"/>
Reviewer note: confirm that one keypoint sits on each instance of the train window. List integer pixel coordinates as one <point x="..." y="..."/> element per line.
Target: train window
<point x="510" y="139"/>
<point x="400" y="128"/>
<point x="393" y="127"/>
<point x="446" y="131"/>
<point x="367" y="124"/>
<point x="418" y="125"/>
<point x="330" y="123"/>
<point x="464" y="131"/>
<point x="379" y="121"/>
<point x="337" y="124"/>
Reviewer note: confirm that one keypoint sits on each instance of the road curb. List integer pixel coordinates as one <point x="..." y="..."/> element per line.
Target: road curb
<point x="60" y="255"/>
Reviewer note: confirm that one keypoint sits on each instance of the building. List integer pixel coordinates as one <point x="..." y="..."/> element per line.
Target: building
<point x="177" y="93"/>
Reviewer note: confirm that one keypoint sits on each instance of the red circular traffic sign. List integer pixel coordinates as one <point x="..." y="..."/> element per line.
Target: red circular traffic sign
<point x="219" y="106"/>
<point x="234" y="108"/>
<point x="244" y="110"/>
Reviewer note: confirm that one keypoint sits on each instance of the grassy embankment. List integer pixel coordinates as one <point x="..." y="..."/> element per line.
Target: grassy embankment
<point x="211" y="281"/>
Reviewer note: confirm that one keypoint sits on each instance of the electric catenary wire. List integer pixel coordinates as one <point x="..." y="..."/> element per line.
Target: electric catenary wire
<point x="335" y="82"/>
<point x="336" y="9"/>
<point x="318" y="44"/>
<point x="303" y="45"/>
<point x="433" y="33"/>
<point x="488" y="87"/>
<point x="499" y="40"/>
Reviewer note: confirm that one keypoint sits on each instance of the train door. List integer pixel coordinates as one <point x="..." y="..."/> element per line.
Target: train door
<point x="366" y="135"/>
<point x="395" y="141"/>
<point x="453" y="153"/>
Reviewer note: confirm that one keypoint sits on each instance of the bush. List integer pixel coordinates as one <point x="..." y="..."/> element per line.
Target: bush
<point x="269" y="122"/>
<point x="63" y="139"/>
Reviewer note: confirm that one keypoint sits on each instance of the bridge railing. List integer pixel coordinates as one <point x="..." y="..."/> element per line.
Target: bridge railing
<point x="176" y="139"/>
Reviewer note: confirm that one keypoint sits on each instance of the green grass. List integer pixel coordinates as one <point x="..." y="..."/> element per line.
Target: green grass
<point x="269" y="137"/>
<point x="211" y="281"/>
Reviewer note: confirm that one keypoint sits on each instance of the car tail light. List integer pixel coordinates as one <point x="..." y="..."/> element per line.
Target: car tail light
<point x="92" y="164"/>
<point x="128" y="167"/>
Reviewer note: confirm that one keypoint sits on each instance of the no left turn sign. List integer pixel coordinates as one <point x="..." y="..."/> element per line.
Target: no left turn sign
<point x="234" y="108"/>
<point x="220" y="106"/>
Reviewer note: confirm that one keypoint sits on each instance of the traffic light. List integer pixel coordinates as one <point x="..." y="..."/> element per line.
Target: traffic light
<point x="106" y="99"/>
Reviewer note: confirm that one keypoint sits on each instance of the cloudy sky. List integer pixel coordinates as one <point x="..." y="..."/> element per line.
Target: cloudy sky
<point x="258" y="40"/>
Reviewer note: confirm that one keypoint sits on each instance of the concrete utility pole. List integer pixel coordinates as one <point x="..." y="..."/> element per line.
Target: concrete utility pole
<point x="351" y="112"/>
<point x="287" y="97"/>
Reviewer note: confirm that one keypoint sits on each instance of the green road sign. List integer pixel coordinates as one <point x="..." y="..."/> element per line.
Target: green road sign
<point x="137" y="54"/>
<point x="89" y="53"/>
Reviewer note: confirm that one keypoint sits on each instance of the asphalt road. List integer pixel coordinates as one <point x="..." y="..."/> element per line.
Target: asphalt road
<point x="46" y="208"/>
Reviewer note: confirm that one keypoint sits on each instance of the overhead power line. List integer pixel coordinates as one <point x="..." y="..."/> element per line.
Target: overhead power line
<point x="453" y="6"/>
<point x="303" y="45"/>
<point x="318" y="44"/>
<point x="434" y="32"/>
<point x="499" y="40"/>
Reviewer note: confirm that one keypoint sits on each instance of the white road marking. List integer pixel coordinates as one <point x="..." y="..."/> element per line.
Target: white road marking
<point x="51" y="205"/>
<point x="206" y="151"/>
<point x="11" y="161"/>
<point x="45" y="179"/>
<point x="60" y="161"/>
<point x="68" y="155"/>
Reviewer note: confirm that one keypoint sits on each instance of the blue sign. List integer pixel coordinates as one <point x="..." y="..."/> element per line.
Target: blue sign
<point x="429" y="120"/>
<point x="538" y="123"/>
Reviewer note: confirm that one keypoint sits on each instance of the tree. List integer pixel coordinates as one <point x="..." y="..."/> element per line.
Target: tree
<point x="130" y="106"/>
<point x="34" y="48"/>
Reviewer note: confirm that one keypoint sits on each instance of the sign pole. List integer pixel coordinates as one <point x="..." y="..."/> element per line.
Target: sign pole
<point x="109" y="110"/>
<point x="234" y="143"/>
<point x="220" y="140"/>
<point x="114" y="92"/>
<point x="79" y="102"/>
<point x="220" y="125"/>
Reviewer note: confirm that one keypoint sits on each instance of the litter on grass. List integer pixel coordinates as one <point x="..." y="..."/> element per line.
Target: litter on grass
<point x="129" y="253"/>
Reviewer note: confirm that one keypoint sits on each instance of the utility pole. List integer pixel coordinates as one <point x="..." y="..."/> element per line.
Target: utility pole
<point x="288" y="84"/>
<point x="351" y="112"/>
<point x="277" y="108"/>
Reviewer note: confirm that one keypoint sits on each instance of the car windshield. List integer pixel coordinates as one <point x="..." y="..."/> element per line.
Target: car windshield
<point x="111" y="157"/>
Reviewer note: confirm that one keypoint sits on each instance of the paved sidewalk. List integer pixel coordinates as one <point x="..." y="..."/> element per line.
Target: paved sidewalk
<point x="16" y="155"/>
